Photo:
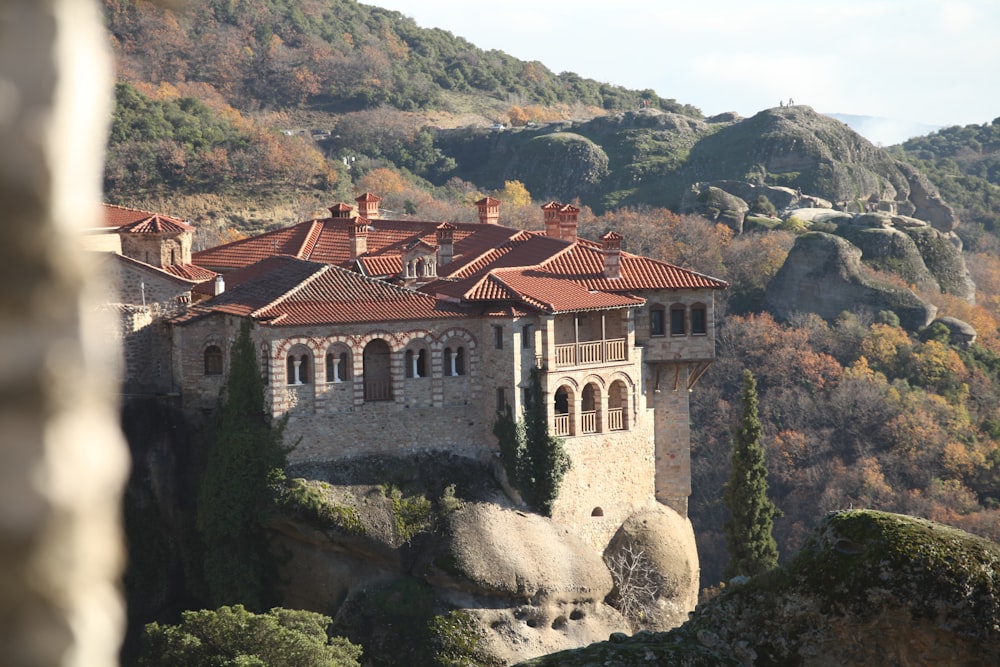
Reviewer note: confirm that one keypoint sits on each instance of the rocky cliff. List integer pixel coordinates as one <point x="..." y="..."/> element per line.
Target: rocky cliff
<point x="868" y="588"/>
<point x="426" y="556"/>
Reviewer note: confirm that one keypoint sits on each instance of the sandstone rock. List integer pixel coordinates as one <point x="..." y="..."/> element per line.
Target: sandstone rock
<point x="666" y="541"/>
<point x="961" y="332"/>
<point x="823" y="275"/>
<point x="812" y="214"/>
<point x="943" y="258"/>
<point x="518" y="555"/>
<point x="868" y="588"/>
<point x="927" y="202"/>
<point x="717" y="205"/>
<point x="892" y="251"/>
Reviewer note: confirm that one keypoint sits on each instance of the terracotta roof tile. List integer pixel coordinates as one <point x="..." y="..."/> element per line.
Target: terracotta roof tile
<point x="383" y="265"/>
<point x="154" y="223"/>
<point x="190" y="272"/>
<point x="286" y="291"/>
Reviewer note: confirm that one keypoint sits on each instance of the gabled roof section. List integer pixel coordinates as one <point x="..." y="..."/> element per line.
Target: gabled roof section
<point x="152" y="270"/>
<point x="541" y="290"/>
<point x="190" y="272"/>
<point x="584" y="263"/>
<point x="286" y="291"/>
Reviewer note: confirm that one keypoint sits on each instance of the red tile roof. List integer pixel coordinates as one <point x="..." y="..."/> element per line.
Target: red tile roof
<point x="138" y="221"/>
<point x="286" y="291"/>
<point x="492" y="267"/>
<point x="190" y="272"/>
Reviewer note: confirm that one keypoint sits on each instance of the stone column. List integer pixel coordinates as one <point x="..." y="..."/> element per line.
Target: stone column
<point x="63" y="460"/>
<point x="672" y="434"/>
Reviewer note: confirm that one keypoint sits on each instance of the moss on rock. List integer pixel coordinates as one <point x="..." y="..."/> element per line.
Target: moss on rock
<point x="867" y="588"/>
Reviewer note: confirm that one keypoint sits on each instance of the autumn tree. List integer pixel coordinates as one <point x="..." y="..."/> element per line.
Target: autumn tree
<point x="749" y="540"/>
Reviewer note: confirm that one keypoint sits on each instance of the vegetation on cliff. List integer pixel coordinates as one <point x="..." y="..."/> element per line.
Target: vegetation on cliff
<point x="866" y="588"/>
<point x="234" y="636"/>
<point x="535" y="460"/>
<point x="244" y="459"/>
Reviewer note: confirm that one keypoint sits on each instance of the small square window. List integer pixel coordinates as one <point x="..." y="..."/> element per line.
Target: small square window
<point x="501" y="400"/>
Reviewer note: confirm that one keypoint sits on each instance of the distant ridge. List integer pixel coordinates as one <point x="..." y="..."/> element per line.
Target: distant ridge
<point x="884" y="131"/>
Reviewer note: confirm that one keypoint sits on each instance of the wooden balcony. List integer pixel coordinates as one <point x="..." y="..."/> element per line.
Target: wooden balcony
<point x="591" y="353"/>
<point x="561" y="426"/>
<point x="616" y="419"/>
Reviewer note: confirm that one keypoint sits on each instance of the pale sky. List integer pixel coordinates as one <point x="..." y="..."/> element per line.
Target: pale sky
<point x="918" y="61"/>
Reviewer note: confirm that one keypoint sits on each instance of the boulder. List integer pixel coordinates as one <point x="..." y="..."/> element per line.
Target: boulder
<point x="960" y="332"/>
<point x="892" y="251"/>
<point x="662" y="541"/>
<point x="943" y="257"/>
<point x="715" y="204"/>
<point x="868" y="588"/>
<point x="926" y="200"/>
<point x="823" y="274"/>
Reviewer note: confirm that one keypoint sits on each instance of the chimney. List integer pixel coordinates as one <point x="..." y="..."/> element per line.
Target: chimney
<point x="445" y="242"/>
<point x="341" y="211"/>
<point x="567" y="222"/>
<point x="611" y="248"/>
<point x="551" y="211"/>
<point x="368" y="205"/>
<point x="220" y="285"/>
<point x="489" y="210"/>
<point x="357" y="231"/>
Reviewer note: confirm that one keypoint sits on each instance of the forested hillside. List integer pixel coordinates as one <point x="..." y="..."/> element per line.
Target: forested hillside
<point x="856" y="412"/>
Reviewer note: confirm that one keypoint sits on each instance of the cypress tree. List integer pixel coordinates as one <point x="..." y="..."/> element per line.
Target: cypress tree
<point x="244" y="458"/>
<point x="749" y="540"/>
<point x="536" y="461"/>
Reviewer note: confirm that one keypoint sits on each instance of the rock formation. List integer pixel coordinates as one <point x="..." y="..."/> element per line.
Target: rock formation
<point x="868" y="588"/>
<point x="823" y="274"/>
<point x="525" y="586"/>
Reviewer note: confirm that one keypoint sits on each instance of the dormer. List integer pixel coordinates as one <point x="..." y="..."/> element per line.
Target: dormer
<point x="419" y="262"/>
<point x="341" y="211"/>
<point x="368" y="205"/>
<point x="489" y="210"/>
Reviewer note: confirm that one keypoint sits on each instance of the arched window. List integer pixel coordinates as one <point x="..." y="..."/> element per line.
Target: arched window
<point x="677" y="323"/>
<point x="416" y="363"/>
<point x="617" y="406"/>
<point x="213" y="360"/>
<point x="564" y="418"/>
<point x="337" y="366"/>
<point x="377" y="371"/>
<point x="454" y="361"/>
<point x="657" y="320"/>
<point x="597" y="512"/>
<point x="297" y="369"/>
<point x="699" y="319"/>
<point x="590" y="413"/>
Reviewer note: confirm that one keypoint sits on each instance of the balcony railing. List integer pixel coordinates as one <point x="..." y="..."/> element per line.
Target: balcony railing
<point x="616" y="419"/>
<point x="588" y="421"/>
<point x="561" y="426"/>
<point x="590" y="353"/>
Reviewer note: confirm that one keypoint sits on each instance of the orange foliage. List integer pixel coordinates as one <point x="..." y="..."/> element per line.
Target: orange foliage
<point x="383" y="181"/>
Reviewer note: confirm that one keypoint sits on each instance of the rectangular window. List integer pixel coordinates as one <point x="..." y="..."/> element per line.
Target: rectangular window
<point x="677" y="321"/>
<point x="501" y="400"/>
<point x="699" y="320"/>
<point x="656" y="324"/>
<point x="527" y="336"/>
<point x="498" y="336"/>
